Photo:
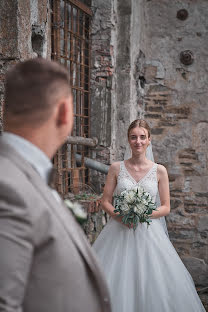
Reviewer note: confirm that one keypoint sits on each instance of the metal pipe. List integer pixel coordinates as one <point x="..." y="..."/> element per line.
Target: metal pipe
<point x="82" y="141"/>
<point x="92" y="164"/>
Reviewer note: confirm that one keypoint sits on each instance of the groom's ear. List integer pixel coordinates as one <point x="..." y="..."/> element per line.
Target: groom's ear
<point x="64" y="111"/>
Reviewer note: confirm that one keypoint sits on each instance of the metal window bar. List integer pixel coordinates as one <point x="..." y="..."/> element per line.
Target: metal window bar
<point x="71" y="46"/>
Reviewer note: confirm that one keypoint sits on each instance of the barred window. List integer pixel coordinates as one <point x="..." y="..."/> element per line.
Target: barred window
<point x="71" y="46"/>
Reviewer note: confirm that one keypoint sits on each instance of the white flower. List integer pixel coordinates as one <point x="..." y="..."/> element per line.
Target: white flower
<point x="140" y="209"/>
<point x="124" y="193"/>
<point x="144" y="201"/>
<point x="68" y="203"/>
<point x="79" y="212"/>
<point x="125" y="207"/>
<point x="147" y="195"/>
<point x="130" y="197"/>
<point x="139" y="190"/>
<point x="77" y="209"/>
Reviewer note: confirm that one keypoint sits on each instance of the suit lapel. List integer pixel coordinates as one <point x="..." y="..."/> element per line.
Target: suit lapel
<point x="64" y="216"/>
<point x="74" y="231"/>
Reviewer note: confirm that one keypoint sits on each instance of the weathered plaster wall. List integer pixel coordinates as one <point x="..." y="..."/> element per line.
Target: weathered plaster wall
<point x="24" y="33"/>
<point x="101" y="85"/>
<point x="33" y="28"/>
<point x="121" y="109"/>
<point x="110" y="81"/>
<point x="149" y="80"/>
<point x="8" y="43"/>
<point x="173" y="98"/>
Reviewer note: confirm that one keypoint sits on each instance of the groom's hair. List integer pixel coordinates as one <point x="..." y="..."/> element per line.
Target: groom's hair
<point x="32" y="90"/>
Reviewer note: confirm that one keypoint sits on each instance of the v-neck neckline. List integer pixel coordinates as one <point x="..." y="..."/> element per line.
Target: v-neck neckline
<point x="129" y="174"/>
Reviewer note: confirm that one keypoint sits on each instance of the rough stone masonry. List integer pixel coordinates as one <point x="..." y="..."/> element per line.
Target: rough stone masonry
<point x="156" y="68"/>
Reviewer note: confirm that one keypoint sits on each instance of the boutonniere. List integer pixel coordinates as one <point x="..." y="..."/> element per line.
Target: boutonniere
<point x="77" y="210"/>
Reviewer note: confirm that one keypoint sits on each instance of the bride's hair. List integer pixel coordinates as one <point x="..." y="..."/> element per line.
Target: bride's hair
<point x="139" y="123"/>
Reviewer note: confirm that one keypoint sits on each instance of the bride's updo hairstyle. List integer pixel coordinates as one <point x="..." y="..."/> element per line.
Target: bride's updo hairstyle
<point x="139" y="123"/>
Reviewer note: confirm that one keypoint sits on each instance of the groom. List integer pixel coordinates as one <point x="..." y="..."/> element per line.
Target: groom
<point x="46" y="264"/>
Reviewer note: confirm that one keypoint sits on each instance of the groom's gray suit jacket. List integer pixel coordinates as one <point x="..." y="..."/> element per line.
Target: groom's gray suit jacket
<point x="46" y="264"/>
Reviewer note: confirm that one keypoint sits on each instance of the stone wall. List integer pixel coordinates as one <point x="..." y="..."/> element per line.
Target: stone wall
<point x="24" y="33"/>
<point x="174" y="102"/>
<point x="159" y="72"/>
<point x="110" y="82"/>
<point x="8" y="44"/>
<point x="101" y="86"/>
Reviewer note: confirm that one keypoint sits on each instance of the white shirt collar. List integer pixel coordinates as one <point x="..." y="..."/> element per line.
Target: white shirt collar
<point x="31" y="153"/>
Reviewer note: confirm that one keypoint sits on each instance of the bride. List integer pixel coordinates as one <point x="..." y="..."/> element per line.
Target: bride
<point x="142" y="268"/>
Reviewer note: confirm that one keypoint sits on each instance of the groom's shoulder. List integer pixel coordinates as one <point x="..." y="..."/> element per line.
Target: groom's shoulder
<point x="18" y="195"/>
<point x="15" y="182"/>
<point x="8" y="168"/>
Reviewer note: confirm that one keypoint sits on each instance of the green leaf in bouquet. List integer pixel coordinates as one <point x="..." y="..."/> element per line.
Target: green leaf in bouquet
<point x="125" y="219"/>
<point x="135" y="222"/>
<point x="129" y="223"/>
<point x="148" y="222"/>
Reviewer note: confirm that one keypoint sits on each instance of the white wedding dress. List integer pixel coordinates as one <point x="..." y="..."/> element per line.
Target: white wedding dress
<point x="142" y="268"/>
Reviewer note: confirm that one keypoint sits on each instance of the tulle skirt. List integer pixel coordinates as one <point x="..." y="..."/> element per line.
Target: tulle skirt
<point x="143" y="270"/>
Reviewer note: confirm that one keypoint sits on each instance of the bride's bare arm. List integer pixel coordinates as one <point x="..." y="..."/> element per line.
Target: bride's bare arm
<point x="109" y="188"/>
<point x="164" y="192"/>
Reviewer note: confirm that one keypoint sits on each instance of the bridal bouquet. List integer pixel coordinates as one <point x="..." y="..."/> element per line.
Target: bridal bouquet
<point x="135" y="205"/>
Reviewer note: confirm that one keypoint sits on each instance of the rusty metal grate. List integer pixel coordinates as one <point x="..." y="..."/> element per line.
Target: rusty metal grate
<point x="71" y="46"/>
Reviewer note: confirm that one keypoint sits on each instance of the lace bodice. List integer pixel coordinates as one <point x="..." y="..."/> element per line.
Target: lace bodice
<point x="149" y="182"/>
